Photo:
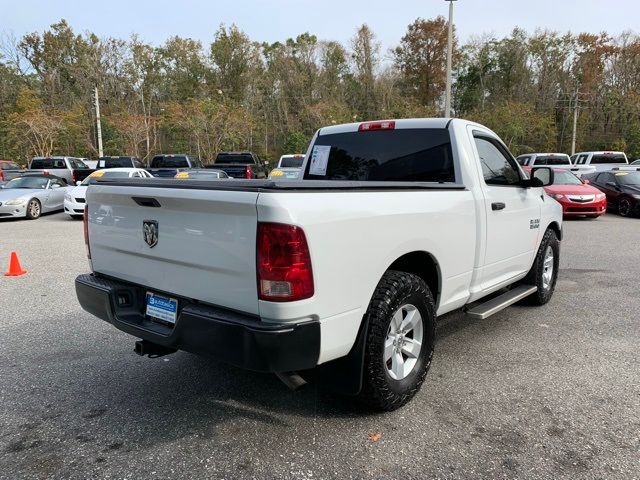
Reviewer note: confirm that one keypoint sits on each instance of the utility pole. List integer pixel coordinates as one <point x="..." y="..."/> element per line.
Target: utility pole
<point x="575" y="121"/>
<point x="98" y="125"/>
<point x="447" y="94"/>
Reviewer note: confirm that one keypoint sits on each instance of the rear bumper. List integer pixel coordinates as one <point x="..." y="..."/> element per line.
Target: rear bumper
<point x="239" y="339"/>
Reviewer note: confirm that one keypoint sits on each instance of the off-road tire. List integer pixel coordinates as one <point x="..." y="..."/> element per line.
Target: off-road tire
<point x="534" y="277"/>
<point x="380" y="391"/>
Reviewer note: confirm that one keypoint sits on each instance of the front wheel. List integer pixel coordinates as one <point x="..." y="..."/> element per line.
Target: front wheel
<point x="400" y="340"/>
<point x="544" y="272"/>
<point x="34" y="209"/>
<point x="624" y="207"/>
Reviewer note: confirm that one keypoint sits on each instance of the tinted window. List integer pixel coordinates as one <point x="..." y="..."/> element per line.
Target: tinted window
<point x="121" y="162"/>
<point x="239" y="158"/>
<point x="523" y="160"/>
<point x="606" y="159"/>
<point x="552" y="160"/>
<point x="496" y="165"/>
<point x="51" y="163"/>
<point x="402" y="155"/>
<point x="78" y="164"/>
<point x="603" y="178"/>
<point x="581" y="159"/>
<point x="173" y="161"/>
<point x="291" y="162"/>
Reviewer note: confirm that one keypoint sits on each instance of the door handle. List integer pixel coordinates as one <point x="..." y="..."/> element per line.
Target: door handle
<point x="497" y="206"/>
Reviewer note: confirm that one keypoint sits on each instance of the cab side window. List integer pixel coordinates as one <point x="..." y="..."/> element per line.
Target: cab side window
<point x="498" y="167"/>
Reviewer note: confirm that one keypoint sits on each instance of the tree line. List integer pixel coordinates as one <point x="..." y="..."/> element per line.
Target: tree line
<point x="239" y="94"/>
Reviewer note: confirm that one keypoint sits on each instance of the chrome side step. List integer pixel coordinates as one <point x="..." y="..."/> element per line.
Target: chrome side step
<point x="501" y="302"/>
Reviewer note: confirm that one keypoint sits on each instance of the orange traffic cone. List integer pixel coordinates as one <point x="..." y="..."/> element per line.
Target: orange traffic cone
<point x="15" y="269"/>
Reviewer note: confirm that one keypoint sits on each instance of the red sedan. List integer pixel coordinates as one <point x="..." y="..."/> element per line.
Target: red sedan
<point x="576" y="196"/>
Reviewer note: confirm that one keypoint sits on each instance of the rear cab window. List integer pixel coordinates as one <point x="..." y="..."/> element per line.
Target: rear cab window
<point x="170" y="161"/>
<point x="292" y="162"/>
<point x="552" y="160"/>
<point x="49" y="163"/>
<point x="603" y="159"/>
<point x="237" y="158"/>
<point x="115" y="162"/>
<point x="393" y="155"/>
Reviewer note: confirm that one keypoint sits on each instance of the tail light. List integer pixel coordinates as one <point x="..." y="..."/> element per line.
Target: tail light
<point x="284" y="263"/>
<point x="247" y="171"/>
<point x="85" y="221"/>
<point x="73" y="177"/>
<point x="1" y="174"/>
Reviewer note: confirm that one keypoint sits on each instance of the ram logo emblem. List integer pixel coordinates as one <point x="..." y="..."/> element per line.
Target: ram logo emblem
<point x="150" y="232"/>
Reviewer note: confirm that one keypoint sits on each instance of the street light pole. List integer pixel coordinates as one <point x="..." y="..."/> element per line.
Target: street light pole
<point x="98" y="124"/>
<point x="576" y="103"/>
<point x="447" y="94"/>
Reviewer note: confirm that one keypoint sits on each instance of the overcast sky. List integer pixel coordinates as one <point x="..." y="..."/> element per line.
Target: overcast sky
<point x="271" y="20"/>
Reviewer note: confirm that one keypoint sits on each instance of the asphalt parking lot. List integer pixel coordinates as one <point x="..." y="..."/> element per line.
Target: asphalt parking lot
<point x="551" y="392"/>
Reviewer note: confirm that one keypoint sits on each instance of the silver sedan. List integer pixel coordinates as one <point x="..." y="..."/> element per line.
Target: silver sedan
<point x="32" y="195"/>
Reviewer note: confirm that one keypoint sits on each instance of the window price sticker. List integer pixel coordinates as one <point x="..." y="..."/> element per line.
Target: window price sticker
<point x="319" y="159"/>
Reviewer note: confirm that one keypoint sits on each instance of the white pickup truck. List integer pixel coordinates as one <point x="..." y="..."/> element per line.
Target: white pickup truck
<point x="340" y="275"/>
<point x="586" y="163"/>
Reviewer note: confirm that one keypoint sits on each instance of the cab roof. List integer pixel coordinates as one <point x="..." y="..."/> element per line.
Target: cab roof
<point x="399" y="124"/>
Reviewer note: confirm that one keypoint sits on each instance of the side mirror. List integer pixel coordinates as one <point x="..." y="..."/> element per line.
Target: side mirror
<point x="585" y="181"/>
<point x="542" y="177"/>
<point x="54" y="185"/>
<point x="78" y="183"/>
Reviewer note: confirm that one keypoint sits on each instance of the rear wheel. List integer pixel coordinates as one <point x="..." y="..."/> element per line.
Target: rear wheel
<point x="544" y="272"/>
<point x="624" y="207"/>
<point x="400" y="340"/>
<point x="34" y="209"/>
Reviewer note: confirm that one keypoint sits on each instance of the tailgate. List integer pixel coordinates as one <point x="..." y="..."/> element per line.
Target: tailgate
<point x="205" y="246"/>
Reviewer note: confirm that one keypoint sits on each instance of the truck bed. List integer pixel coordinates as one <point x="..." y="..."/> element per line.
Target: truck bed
<point x="265" y="185"/>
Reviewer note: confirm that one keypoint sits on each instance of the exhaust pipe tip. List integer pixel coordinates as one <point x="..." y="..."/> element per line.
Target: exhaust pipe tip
<point x="291" y="379"/>
<point x="153" y="350"/>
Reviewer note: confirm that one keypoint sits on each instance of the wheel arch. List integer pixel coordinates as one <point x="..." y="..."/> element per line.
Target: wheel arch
<point x="424" y="265"/>
<point x="556" y="228"/>
<point x="345" y="374"/>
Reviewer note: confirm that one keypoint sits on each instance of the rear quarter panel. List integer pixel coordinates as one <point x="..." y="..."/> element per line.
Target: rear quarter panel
<point x="355" y="236"/>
